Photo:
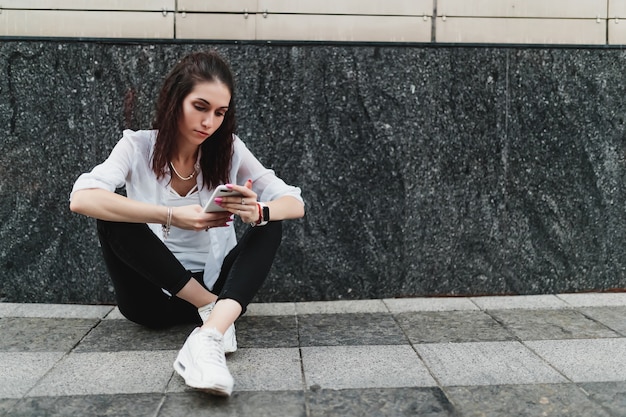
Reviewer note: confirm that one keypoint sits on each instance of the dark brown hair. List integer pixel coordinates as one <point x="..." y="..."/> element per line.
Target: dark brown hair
<point x="217" y="150"/>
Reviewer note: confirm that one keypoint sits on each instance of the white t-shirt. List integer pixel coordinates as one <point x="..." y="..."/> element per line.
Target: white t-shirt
<point x="130" y="164"/>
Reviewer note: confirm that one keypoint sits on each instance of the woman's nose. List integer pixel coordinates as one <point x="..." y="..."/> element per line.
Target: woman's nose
<point x="207" y="121"/>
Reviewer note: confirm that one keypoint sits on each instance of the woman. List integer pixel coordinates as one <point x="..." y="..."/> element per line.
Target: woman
<point x="169" y="261"/>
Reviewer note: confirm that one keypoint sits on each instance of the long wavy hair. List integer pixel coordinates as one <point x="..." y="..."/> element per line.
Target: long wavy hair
<point x="217" y="150"/>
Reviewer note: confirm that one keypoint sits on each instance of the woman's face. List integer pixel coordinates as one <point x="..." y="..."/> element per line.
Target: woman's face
<point x="203" y="111"/>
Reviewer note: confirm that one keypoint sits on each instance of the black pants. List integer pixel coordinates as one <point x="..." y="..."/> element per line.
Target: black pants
<point x="140" y="265"/>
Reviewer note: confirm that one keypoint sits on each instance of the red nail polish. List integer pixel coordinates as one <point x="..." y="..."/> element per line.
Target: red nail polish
<point x="218" y="200"/>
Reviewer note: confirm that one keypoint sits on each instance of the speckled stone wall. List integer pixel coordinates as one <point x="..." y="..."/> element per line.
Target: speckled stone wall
<point x="426" y="170"/>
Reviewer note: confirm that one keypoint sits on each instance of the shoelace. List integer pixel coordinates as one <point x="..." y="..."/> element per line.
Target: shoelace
<point x="212" y="350"/>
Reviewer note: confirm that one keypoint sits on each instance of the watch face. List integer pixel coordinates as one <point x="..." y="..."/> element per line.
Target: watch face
<point x="266" y="214"/>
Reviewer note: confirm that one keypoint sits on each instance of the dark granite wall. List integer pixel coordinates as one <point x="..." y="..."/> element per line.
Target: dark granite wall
<point x="426" y="170"/>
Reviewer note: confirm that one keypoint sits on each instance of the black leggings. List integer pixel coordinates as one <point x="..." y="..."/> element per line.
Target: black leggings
<point x="140" y="265"/>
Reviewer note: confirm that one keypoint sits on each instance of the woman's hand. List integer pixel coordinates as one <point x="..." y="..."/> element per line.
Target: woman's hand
<point x="194" y="218"/>
<point x="246" y="206"/>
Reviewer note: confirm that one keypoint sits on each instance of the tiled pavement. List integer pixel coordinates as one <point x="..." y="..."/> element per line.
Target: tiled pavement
<point x="547" y="355"/>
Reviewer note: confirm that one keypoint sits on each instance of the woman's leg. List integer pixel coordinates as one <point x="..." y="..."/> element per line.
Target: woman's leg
<point x="139" y="265"/>
<point x="244" y="270"/>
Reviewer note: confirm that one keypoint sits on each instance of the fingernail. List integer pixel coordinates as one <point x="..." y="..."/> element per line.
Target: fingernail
<point x="229" y="185"/>
<point x="249" y="180"/>
<point x="218" y="200"/>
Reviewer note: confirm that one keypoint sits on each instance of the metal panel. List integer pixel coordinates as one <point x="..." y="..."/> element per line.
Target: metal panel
<point x="215" y="26"/>
<point x="142" y="5"/>
<point x="524" y="8"/>
<point x="503" y="30"/>
<point x="231" y="6"/>
<point x="617" y="32"/>
<point x="617" y="8"/>
<point x="352" y="7"/>
<point x="344" y="28"/>
<point x="86" y="24"/>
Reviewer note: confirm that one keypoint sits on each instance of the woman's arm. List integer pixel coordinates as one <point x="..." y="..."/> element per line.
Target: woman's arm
<point x="106" y="205"/>
<point x="284" y="208"/>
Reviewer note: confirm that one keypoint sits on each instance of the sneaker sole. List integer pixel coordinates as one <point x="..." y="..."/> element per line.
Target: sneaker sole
<point x="215" y="388"/>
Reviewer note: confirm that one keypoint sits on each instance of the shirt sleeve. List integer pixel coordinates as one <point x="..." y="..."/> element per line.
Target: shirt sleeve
<point x="265" y="183"/>
<point x="112" y="173"/>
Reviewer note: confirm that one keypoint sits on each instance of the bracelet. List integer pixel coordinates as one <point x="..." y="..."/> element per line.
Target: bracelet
<point x="258" y="206"/>
<point x="166" y="227"/>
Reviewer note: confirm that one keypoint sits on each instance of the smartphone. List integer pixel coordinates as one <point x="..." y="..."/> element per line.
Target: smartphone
<point x="220" y="191"/>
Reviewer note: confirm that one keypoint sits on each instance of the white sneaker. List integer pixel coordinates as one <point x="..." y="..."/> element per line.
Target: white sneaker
<point x="230" y="338"/>
<point x="201" y="362"/>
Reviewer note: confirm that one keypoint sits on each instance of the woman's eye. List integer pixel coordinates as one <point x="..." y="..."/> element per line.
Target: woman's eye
<point x="199" y="108"/>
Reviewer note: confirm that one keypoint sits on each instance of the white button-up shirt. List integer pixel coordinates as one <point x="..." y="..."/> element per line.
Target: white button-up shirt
<point x="130" y="164"/>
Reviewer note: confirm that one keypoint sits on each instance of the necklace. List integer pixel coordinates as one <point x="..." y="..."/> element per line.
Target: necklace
<point x="193" y="174"/>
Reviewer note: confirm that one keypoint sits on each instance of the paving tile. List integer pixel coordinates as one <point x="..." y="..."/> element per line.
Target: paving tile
<point x="526" y="302"/>
<point x="612" y="317"/>
<point x="383" y="402"/>
<point x="611" y="395"/>
<point x="549" y="400"/>
<point x="42" y="335"/>
<point x="6" y="405"/>
<point x="451" y="326"/>
<point x="131" y="405"/>
<point x="551" y="324"/>
<point x="257" y="404"/>
<point x="594" y="299"/>
<point x="341" y="307"/>
<point x="349" y="329"/>
<point x="6" y="309"/>
<point x="108" y="373"/>
<point x="485" y="363"/>
<point x="115" y="314"/>
<point x="267" y="331"/>
<point x="344" y="367"/>
<point x="258" y="370"/>
<point x="585" y="360"/>
<point x="401" y="305"/>
<point x="271" y="309"/>
<point x="124" y="335"/>
<point x="66" y="311"/>
<point x="20" y="371"/>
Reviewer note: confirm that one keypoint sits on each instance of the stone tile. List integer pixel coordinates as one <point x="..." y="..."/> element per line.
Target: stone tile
<point x="610" y="395"/>
<point x="64" y="311"/>
<point x="20" y="371"/>
<point x="344" y="367"/>
<point x="401" y="305"/>
<point x="485" y="363"/>
<point x="388" y="402"/>
<point x="341" y="307"/>
<point x="349" y="329"/>
<point x="549" y="400"/>
<point x="108" y="373"/>
<point x="551" y="324"/>
<point x="6" y="406"/>
<point x="267" y="331"/>
<point x="131" y="405"/>
<point x="258" y="370"/>
<point x="115" y="314"/>
<point x="257" y="404"/>
<point x="42" y="335"/>
<point x="124" y="335"/>
<point x="451" y="326"/>
<point x="271" y="309"/>
<point x="6" y="309"/>
<point x="585" y="360"/>
<point x="595" y="299"/>
<point x="612" y="317"/>
<point x="526" y="302"/>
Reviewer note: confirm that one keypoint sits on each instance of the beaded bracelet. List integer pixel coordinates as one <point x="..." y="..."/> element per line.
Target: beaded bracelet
<point x="166" y="227"/>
